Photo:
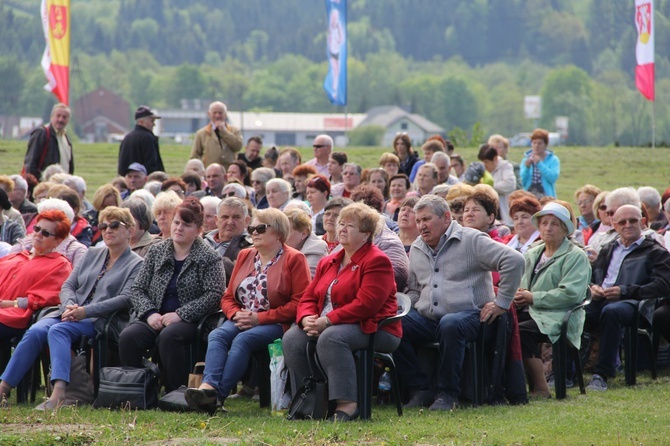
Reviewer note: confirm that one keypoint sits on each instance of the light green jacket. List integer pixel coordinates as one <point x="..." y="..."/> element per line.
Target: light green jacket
<point x="558" y="286"/>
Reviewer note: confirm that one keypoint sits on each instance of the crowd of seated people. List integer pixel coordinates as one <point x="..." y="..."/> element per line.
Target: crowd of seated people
<point x="316" y="251"/>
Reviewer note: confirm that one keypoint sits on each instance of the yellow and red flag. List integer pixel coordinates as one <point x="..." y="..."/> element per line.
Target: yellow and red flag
<point x="644" y="49"/>
<point x="56" y="58"/>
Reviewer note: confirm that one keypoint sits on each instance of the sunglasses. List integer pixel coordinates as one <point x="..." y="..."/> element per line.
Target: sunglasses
<point x="229" y="194"/>
<point x="113" y="225"/>
<point x="602" y="207"/>
<point x="319" y="146"/>
<point x="609" y="213"/>
<point x="632" y="221"/>
<point x="260" y="229"/>
<point x="43" y="231"/>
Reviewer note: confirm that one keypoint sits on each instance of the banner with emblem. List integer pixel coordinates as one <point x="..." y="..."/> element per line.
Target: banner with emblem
<point x="335" y="83"/>
<point x="56" y="57"/>
<point x="644" y="49"/>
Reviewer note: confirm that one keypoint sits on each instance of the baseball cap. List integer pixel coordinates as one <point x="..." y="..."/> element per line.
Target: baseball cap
<point x="137" y="167"/>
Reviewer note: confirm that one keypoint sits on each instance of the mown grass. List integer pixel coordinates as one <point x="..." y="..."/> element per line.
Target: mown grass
<point x="605" y="167"/>
<point x="635" y="416"/>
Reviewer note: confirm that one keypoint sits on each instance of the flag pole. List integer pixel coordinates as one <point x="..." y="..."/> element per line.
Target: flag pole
<point x="653" y="123"/>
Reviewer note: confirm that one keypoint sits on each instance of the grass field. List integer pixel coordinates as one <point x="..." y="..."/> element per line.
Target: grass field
<point x="605" y="167"/>
<point x="633" y="416"/>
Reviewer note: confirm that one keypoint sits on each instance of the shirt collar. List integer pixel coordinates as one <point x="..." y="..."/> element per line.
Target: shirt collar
<point x="632" y="245"/>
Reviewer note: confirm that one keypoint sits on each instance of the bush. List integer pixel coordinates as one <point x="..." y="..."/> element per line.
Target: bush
<point x="368" y="135"/>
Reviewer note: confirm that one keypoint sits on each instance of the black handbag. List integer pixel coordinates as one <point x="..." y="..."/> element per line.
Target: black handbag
<point x="175" y="401"/>
<point x="311" y="399"/>
<point x="128" y="387"/>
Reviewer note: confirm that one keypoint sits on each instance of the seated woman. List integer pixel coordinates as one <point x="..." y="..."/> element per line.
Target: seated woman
<point x="399" y="186"/>
<point x="260" y="304"/>
<point x="555" y="279"/>
<point x="278" y="193"/>
<point x="168" y="309"/>
<point x="106" y="195"/>
<point x="318" y="193"/>
<point x="80" y="229"/>
<point x="352" y="291"/>
<point x="522" y="210"/>
<point x="407" y="222"/>
<point x="31" y="280"/>
<point x="302" y="238"/>
<point x="164" y="208"/>
<point x="330" y="215"/>
<point x="98" y="286"/>
<point x="301" y="176"/>
<point x="140" y="240"/>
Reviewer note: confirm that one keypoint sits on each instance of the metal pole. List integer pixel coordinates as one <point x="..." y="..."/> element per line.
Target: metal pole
<point x="346" y="139"/>
<point x="653" y="124"/>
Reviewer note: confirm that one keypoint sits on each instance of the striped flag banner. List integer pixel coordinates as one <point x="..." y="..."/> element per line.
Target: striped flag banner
<point x="56" y="57"/>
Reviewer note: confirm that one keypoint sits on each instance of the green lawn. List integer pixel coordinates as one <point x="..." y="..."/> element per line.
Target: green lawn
<point x="605" y="167"/>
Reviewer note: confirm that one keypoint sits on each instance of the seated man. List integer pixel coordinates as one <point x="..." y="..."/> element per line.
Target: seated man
<point x="627" y="270"/>
<point x="452" y="294"/>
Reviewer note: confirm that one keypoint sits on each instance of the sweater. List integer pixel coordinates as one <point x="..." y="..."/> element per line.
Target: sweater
<point x="463" y="280"/>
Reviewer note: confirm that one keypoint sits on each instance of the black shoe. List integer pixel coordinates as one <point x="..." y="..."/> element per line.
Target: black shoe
<point x="343" y="417"/>
<point x="419" y="398"/>
<point x="202" y="400"/>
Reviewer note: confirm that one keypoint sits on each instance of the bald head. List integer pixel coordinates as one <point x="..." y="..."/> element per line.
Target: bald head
<point x="628" y="223"/>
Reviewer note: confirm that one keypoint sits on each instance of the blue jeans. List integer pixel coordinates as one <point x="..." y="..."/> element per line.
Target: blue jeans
<point x="452" y="332"/>
<point x="59" y="336"/>
<point x="229" y="350"/>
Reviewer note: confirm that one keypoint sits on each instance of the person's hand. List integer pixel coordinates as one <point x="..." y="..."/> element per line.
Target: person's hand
<point x="591" y="254"/>
<point x="612" y="293"/>
<point x="523" y="297"/>
<point x="310" y="325"/>
<point x="490" y="312"/>
<point x="170" y="318"/>
<point x="73" y="313"/>
<point x="245" y="320"/>
<point x="597" y="292"/>
<point x="155" y="322"/>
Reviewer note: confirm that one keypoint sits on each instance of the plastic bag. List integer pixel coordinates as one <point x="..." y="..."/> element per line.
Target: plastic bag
<point x="280" y="399"/>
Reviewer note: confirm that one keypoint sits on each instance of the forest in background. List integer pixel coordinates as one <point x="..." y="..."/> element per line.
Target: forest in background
<point x="457" y="62"/>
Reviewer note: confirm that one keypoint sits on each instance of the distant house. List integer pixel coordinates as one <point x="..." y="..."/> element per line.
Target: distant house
<point x="18" y="127"/>
<point x="100" y="114"/>
<point x="396" y="120"/>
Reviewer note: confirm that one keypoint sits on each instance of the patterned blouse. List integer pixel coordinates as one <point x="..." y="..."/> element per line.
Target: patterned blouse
<point x="253" y="291"/>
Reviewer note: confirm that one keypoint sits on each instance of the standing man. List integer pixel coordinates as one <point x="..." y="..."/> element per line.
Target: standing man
<point x="252" y="153"/>
<point x="217" y="142"/>
<point x="323" y="146"/>
<point x="540" y="168"/>
<point x="141" y="145"/>
<point x="50" y="145"/>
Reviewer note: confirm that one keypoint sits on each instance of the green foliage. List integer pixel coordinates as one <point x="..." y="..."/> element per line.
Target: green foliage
<point x="367" y="136"/>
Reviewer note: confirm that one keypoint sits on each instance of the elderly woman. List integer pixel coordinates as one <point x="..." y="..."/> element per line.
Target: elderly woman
<point x="352" y="291"/>
<point x="31" y="280"/>
<point x="330" y="215"/>
<point x="604" y="223"/>
<point x="98" y="286"/>
<point x="335" y="162"/>
<point x="302" y="238"/>
<point x="209" y="204"/>
<point x="407" y="222"/>
<point x="140" y="239"/>
<point x="278" y="193"/>
<point x="259" y="304"/>
<point x="555" y="279"/>
<point x="81" y="229"/>
<point x="584" y="197"/>
<point x="402" y="147"/>
<point x="10" y="230"/>
<point x="525" y="234"/>
<point x="259" y="179"/>
<point x="106" y="195"/>
<point x="351" y="179"/>
<point x="169" y="309"/>
<point x="164" y="208"/>
<point x="399" y="186"/>
<point x="504" y="181"/>
<point x="301" y="175"/>
<point x="318" y="193"/>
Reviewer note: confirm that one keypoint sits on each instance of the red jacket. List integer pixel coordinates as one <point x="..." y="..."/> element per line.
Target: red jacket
<point x="39" y="279"/>
<point x="364" y="292"/>
<point x="287" y="281"/>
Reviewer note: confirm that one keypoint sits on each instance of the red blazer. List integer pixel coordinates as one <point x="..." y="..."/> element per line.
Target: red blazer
<point x="287" y="281"/>
<point x="39" y="279"/>
<point x="364" y="292"/>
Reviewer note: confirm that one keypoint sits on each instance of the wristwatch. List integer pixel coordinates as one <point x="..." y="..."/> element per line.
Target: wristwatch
<point x="328" y="323"/>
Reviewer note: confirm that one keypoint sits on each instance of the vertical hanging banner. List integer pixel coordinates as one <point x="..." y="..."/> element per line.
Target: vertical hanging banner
<point x="335" y="83"/>
<point x="56" y="57"/>
<point x="644" y="49"/>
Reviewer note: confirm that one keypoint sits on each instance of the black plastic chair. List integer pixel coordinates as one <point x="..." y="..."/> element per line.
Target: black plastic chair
<point x="631" y="335"/>
<point x="560" y="354"/>
<point x="365" y="364"/>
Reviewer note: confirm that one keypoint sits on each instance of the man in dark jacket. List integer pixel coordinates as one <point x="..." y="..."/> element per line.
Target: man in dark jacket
<point x="627" y="271"/>
<point x="141" y="145"/>
<point x="50" y="145"/>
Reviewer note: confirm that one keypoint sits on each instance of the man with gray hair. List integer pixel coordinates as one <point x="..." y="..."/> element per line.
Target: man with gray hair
<point x="323" y="147"/>
<point x="141" y="145"/>
<point x="230" y="236"/>
<point x="351" y="179"/>
<point x="77" y="184"/>
<point x="19" y="196"/>
<point x="452" y="294"/>
<point x="443" y="164"/>
<point x="651" y="200"/>
<point x="218" y="141"/>
<point x="49" y="144"/>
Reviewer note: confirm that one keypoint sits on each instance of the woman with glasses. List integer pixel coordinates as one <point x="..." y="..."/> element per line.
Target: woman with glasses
<point x="259" y="178"/>
<point x="98" y="286"/>
<point x="181" y="281"/>
<point x="260" y="304"/>
<point x="330" y="215"/>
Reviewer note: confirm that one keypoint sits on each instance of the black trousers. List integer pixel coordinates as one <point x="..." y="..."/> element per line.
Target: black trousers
<point x="531" y="337"/>
<point x="172" y="343"/>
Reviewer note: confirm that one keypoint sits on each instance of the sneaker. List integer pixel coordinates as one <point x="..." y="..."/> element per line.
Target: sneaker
<point x="597" y="383"/>
<point x="444" y="401"/>
<point x="244" y="392"/>
<point x="569" y="384"/>
<point x="419" y="398"/>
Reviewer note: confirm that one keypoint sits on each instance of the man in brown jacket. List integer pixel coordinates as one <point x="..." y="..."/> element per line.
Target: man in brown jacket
<point x="218" y="141"/>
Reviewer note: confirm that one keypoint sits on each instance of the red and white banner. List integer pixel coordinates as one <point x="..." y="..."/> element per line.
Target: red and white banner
<point x="56" y="57"/>
<point x="644" y="49"/>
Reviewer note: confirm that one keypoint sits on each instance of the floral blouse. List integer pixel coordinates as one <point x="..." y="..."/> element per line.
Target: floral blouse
<point x="253" y="291"/>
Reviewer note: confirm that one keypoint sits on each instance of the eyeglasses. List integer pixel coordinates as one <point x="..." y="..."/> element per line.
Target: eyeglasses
<point x="632" y="221"/>
<point x="609" y="213"/>
<point x="260" y="229"/>
<point x="229" y="194"/>
<point x="602" y="207"/>
<point x="320" y="146"/>
<point x="113" y="225"/>
<point x="256" y="182"/>
<point x="583" y="202"/>
<point x="43" y="231"/>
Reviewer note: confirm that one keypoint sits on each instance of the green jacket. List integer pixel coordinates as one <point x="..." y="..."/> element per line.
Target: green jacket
<point x="558" y="286"/>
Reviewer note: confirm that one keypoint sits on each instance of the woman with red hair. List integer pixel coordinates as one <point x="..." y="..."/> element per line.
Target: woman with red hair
<point x="32" y="280"/>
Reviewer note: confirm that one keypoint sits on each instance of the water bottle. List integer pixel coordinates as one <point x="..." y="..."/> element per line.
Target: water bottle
<point x="384" y="389"/>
